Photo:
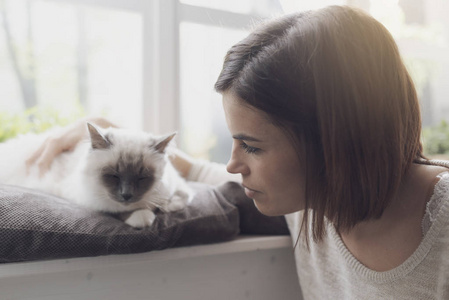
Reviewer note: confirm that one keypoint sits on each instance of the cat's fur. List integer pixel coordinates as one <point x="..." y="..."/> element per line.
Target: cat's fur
<point x="116" y="171"/>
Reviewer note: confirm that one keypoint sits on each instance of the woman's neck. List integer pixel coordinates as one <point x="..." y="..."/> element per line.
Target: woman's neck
<point x="385" y="243"/>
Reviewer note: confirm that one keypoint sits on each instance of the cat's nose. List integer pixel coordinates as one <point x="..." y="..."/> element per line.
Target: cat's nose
<point x="126" y="197"/>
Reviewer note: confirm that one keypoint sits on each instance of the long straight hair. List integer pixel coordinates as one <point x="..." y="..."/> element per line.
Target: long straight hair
<point x="334" y="80"/>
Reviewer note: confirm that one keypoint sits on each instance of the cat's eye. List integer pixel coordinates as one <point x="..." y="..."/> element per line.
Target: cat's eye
<point x="249" y="149"/>
<point x="144" y="181"/>
<point x="111" y="177"/>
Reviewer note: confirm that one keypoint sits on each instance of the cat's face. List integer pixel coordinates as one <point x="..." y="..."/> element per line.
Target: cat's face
<point x="128" y="180"/>
<point x="127" y="167"/>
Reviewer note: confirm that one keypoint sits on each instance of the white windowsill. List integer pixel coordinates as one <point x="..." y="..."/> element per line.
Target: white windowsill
<point x="239" y="245"/>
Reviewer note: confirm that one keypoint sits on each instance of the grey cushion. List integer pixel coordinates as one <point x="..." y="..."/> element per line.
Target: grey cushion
<point x="37" y="226"/>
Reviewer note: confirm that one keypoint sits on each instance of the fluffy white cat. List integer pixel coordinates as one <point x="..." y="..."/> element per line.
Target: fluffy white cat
<point x="117" y="171"/>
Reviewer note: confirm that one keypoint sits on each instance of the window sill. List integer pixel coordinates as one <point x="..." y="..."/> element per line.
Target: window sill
<point x="254" y="267"/>
<point x="244" y="243"/>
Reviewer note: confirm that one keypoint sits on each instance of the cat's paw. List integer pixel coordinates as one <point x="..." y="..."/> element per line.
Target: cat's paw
<point x="175" y="205"/>
<point x="141" y="218"/>
<point x="177" y="202"/>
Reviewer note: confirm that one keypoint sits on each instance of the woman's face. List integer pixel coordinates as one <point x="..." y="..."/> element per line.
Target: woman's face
<point x="264" y="155"/>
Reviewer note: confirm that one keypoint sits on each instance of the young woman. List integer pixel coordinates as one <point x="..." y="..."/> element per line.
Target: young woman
<point x="326" y="127"/>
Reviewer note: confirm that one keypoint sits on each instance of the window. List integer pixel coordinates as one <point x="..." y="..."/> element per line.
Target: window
<point x="152" y="64"/>
<point x="421" y="29"/>
<point x="62" y="56"/>
<point x="207" y="30"/>
<point x="204" y="133"/>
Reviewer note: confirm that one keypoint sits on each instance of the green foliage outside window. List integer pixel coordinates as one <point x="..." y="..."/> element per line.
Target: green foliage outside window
<point x="436" y="139"/>
<point x="36" y="119"/>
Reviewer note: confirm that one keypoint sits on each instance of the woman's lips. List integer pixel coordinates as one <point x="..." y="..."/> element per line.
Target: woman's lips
<point x="250" y="193"/>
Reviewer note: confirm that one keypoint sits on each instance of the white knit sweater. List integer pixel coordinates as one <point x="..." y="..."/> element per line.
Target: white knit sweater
<point x="330" y="271"/>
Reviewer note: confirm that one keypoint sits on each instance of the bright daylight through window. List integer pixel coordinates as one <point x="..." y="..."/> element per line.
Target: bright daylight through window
<point x="61" y="59"/>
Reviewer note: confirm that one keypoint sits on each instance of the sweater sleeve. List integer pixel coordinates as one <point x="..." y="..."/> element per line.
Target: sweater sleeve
<point x="211" y="173"/>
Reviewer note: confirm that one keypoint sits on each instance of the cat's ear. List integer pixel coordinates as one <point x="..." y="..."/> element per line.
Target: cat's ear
<point x="162" y="143"/>
<point x="97" y="139"/>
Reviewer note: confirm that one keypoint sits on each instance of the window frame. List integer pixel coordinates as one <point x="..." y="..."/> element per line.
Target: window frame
<point x="161" y="59"/>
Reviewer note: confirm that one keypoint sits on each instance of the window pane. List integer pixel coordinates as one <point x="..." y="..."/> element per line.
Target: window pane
<point x="257" y="7"/>
<point x="203" y="128"/>
<point x="62" y="55"/>
<point x="421" y="29"/>
<point x="290" y="6"/>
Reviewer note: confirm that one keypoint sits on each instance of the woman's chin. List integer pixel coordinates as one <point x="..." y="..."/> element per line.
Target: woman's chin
<point x="274" y="211"/>
<point x="267" y="211"/>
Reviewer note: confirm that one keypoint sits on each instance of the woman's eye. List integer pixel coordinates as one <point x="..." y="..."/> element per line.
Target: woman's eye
<point x="249" y="149"/>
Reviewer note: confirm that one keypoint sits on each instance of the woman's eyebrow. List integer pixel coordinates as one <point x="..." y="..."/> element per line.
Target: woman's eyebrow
<point x="245" y="137"/>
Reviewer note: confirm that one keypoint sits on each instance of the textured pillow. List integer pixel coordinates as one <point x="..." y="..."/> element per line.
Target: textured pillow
<point x="37" y="226"/>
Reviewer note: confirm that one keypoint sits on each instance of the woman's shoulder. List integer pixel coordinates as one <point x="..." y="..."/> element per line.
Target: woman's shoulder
<point x="437" y="208"/>
<point x="440" y="193"/>
<point x="442" y="186"/>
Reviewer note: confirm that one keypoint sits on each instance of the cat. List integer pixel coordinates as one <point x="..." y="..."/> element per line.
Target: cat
<point x="117" y="171"/>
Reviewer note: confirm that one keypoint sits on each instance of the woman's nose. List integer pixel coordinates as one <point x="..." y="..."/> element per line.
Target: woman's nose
<point x="237" y="165"/>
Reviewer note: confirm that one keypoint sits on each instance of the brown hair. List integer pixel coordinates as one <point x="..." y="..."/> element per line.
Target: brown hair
<point x="334" y="80"/>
